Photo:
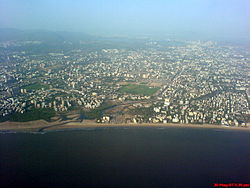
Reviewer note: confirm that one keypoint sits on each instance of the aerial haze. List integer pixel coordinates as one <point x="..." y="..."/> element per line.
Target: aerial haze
<point x="125" y="93"/>
<point x="200" y="19"/>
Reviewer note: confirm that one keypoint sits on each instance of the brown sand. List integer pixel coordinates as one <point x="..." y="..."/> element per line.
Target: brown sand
<point x="74" y="125"/>
<point x="46" y="126"/>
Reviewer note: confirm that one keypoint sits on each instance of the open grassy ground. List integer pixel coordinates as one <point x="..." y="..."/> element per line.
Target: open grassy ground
<point x="138" y="89"/>
<point x="35" y="86"/>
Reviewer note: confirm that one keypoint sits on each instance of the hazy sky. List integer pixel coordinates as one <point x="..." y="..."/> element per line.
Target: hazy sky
<point x="130" y="17"/>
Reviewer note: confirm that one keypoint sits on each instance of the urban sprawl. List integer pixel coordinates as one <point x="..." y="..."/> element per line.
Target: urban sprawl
<point x="194" y="83"/>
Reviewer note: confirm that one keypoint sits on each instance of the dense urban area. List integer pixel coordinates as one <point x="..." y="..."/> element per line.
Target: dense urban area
<point x="184" y="82"/>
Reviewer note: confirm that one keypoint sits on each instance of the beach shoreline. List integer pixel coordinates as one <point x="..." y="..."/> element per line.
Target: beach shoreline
<point x="44" y="126"/>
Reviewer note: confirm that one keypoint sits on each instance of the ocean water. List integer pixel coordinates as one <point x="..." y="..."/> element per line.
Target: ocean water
<point x="125" y="157"/>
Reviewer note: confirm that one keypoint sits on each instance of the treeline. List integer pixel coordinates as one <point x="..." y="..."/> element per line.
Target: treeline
<point x="31" y="115"/>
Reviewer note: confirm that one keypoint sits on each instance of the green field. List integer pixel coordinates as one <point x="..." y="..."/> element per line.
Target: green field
<point x="96" y="113"/>
<point x="35" y="86"/>
<point x="143" y="111"/>
<point x="138" y="89"/>
<point x="33" y="114"/>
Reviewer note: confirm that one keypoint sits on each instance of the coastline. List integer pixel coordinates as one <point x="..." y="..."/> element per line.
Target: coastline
<point x="44" y="126"/>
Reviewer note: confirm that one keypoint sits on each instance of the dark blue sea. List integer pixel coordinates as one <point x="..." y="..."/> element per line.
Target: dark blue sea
<point x="125" y="157"/>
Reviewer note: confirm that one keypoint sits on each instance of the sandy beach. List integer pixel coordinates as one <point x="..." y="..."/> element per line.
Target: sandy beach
<point x="44" y="126"/>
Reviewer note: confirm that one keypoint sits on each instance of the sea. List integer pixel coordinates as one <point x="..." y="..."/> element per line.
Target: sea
<point x="168" y="157"/>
